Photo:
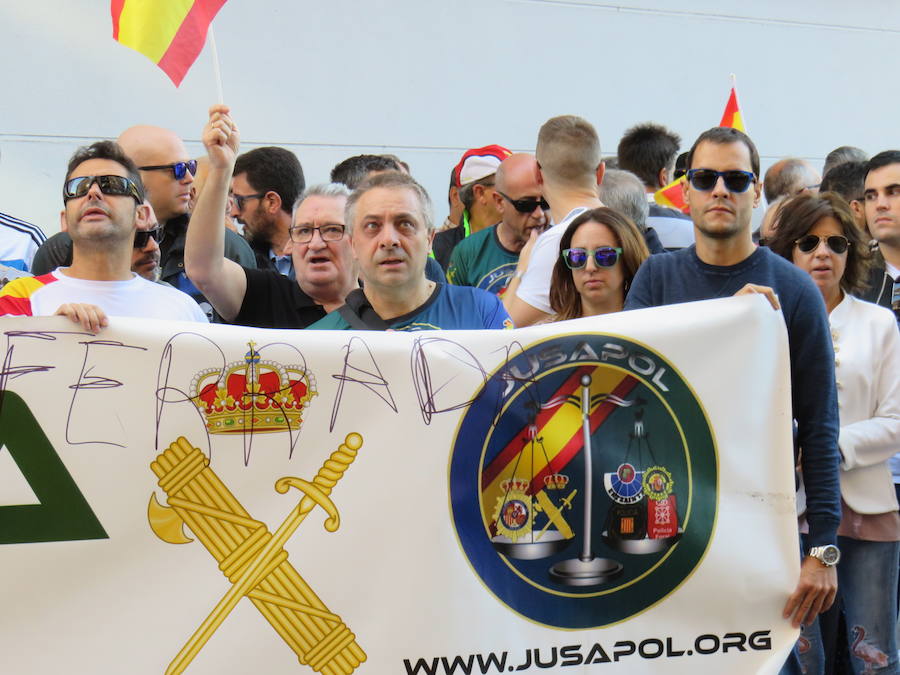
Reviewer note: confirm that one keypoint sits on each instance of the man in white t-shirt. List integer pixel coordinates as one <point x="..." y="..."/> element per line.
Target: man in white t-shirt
<point x="104" y="205"/>
<point x="569" y="170"/>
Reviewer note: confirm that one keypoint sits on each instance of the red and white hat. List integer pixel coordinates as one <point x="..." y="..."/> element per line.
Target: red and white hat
<point x="479" y="163"/>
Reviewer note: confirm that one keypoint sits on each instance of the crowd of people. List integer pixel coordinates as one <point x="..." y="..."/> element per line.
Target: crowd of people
<point x="148" y="231"/>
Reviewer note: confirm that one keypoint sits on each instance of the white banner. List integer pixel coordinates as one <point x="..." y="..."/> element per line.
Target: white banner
<point x="219" y="499"/>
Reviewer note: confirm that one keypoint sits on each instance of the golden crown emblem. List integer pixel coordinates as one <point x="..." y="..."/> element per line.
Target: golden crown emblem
<point x="515" y="484"/>
<point x="253" y="395"/>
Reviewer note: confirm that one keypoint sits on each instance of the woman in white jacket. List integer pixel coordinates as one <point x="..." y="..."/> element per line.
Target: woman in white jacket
<point x="817" y="233"/>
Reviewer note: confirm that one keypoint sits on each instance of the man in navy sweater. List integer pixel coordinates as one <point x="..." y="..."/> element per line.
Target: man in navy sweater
<point x="722" y="190"/>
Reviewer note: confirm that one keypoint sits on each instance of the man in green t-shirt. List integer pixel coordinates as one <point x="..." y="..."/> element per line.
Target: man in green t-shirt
<point x="487" y="259"/>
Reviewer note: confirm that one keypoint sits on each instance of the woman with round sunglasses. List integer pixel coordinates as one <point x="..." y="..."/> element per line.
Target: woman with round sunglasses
<point x="818" y="234"/>
<point x="600" y="253"/>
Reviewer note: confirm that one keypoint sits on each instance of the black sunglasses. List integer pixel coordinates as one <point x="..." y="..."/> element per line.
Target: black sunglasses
<point x="240" y="199"/>
<point x="835" y="242"/>
<point x="143" y="237"/>
<point x="118" y="186"/>
<point x="605" y="256"/>
<point x="526" y="205"/>
<point x="178" y="169"/>
<point x="735" y="181"/>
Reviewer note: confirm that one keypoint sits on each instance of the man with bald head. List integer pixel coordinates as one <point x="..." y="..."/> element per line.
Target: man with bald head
<point x="487" y="259"/>
<point x="167" y="172"/>
<point x="789" y="177"/>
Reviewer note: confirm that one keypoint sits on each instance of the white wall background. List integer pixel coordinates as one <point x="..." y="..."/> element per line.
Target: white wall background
<point x="428" y="79"/>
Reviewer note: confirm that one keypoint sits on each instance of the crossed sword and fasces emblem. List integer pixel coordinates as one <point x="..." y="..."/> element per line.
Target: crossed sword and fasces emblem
<point x="252" y="558"/>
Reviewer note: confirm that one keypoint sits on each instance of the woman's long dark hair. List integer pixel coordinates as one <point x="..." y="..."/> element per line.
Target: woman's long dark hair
<point x="564" y="298"/>
<point x="800" y="214"/>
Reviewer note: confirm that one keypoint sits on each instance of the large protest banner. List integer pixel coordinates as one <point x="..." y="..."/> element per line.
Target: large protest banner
<point x="219" y="499"/>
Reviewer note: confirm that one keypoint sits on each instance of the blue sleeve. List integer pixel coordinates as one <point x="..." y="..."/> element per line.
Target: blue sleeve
<point x="814" y="399"/>
<point x="495" y="314"/>
<point x="640" y="294"/>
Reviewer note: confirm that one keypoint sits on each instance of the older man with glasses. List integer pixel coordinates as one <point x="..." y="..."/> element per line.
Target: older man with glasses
<point x="168" y="175"/>
<point x="318" y="244"/>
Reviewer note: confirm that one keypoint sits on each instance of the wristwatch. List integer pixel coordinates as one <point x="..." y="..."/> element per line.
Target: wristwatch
<point x="828" y="555"/>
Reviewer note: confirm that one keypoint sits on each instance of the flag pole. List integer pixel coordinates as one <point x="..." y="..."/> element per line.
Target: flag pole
<point x="217" y="72"/>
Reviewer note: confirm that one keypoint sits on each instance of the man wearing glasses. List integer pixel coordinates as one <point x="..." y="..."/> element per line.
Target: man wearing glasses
<point x="57" y="250"/>
<point x="318" y="245"/>
<point x="266" y="184"/>
<point x="168" y="175"/>
<point x="474" y="178"/>
<point x="722" y="190"/>
<point x="104" y="205"/>
<point x="488" y="259"/>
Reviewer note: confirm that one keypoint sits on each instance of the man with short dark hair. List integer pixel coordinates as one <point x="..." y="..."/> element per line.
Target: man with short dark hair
<point x="882" y="207"/>
<point x="317" y="242"/>
<point x="569" y="170"/>
<point x="488" y="258"/>
<point x="722" y="189"/>
<point x="264" y="188"/>
<point x="848" y="179"/>
<point x="391" y="231"/>
<point x="353" y="170"/>
<point x="790" y="176"/>
<point x="649" y="150"/>
<point x="474" y="176"/>
<point x="168" y="175"/>
<point x="104" y="204"/>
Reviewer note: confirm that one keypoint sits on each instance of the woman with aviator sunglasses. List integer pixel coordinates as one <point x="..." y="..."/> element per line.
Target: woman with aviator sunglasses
<point x="818" y="234"/>
<point x="600" y="253"/>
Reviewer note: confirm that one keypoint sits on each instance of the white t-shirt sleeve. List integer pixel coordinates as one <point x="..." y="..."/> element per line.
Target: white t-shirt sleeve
<point x="535" y="285"/>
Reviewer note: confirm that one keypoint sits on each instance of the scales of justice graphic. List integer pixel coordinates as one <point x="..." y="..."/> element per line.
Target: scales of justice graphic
<point x="529" y="521"/>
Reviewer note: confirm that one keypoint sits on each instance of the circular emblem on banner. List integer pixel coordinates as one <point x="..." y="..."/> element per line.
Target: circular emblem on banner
<point x="583" y="481"/>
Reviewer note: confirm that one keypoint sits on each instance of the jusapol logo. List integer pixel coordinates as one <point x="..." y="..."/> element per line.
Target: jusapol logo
<point x="583" y="481"/>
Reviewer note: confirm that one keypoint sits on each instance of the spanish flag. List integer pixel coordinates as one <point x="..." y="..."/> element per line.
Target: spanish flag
<point x="732" y="116"/>
<point x="671" y="195"/>
<point x="170" y="33"/>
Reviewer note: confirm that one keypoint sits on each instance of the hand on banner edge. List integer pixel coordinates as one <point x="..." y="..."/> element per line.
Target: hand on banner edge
<point x="763" y="290"/>
<point x="91" y="317"/>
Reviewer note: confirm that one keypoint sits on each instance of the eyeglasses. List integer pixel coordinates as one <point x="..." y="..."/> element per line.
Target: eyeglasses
<point x="835" y="242"/>
<point x="302" y="234"/>
<point x="240" y="199"/>
<point x="605" y="256"/>
<point x="527" y="205"/>
<point x="117" y="186"/>
<point x="706" y="179"/>
<point x="143" y="237"/>
<point x="178" y="169"/>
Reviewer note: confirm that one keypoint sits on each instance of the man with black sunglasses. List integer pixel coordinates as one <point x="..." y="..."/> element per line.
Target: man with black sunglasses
<point x="104" y="206"/>
<point x="487" y="259"/>
<point x="722" y="190"/>
<point x="168" y="175"/>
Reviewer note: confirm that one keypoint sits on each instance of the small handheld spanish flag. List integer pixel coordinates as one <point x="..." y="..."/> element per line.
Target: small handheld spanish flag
<point x="170" y="33"/>
<point x="732" y="116"/>
<point x="671" y="195"/>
